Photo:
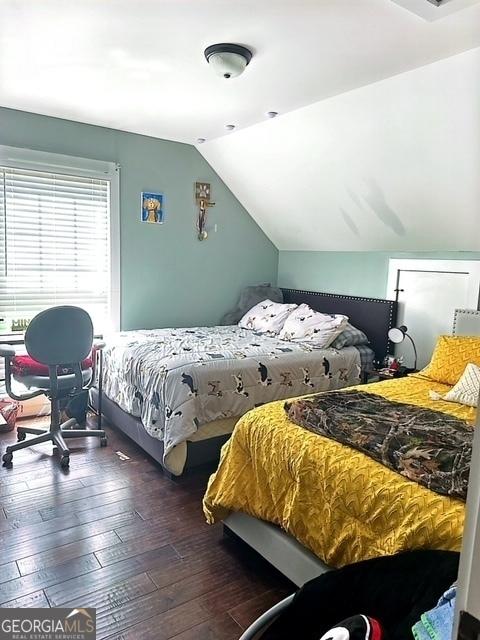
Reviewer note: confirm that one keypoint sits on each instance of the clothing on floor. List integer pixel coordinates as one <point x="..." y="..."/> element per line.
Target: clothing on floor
<point x="437" y="624"/>
<point x="395" y="590"/>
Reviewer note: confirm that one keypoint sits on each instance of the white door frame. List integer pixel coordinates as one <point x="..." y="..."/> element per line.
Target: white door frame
<point x="468" y="267"/>
<point x="468" y="592"/>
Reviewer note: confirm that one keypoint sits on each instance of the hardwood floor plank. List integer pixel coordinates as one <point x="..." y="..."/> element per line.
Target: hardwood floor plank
<point x="165" y="625"/>
<point x="41" y="579"/>
<point x="214" y="558"/>
<point x="172" y="596"/>
<point x="27" y="496"/>
<point x="43" y="528"/>
<point x="125" y="550"/>
<point x="9" y="571"/>
<point x="221" y="628"/>
<point x="247" y="612"/>
<point x="46" y="496"/>
<point x="104" y="578"/>
<point x="106" y="599"/>
<point x="36" y="599"/>
<point x="65" y="536"/>
<point x="12" y="489"/>
<point x="174" y="520"/>
<point x="66" y="552"/>
<point x="101" y="500"/>
<point x="17" y="523"/>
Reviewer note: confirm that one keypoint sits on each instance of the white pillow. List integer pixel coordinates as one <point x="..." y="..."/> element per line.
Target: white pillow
<point x="466" y="390"/>
<point x="266" y="316"/>
<point x="306" y="324"/>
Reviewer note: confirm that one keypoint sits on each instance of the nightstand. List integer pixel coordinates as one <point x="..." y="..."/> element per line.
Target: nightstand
<point x="379" y="375"/>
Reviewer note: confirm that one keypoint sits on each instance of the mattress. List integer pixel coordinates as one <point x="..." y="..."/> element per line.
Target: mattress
<point x="336" y="501"/>
<point x="176" y="380"/>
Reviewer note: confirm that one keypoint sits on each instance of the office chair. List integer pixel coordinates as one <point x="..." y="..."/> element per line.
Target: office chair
<point x="60" y="338"/>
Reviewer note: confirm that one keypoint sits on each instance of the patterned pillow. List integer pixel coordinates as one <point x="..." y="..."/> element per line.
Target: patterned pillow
<point x="451" y="356"/>
<point x="308" y="325"/>
<point x="350" y="337"/>
<point x="266" y="316"/>
<point x="467" y="389"/>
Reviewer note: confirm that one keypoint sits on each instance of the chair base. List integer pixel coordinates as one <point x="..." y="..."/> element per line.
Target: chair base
<point x="56" y="435"/>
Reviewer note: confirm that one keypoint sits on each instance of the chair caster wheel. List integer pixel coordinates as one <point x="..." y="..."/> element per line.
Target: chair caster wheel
<point x="103" y="442"/>
<point x="65" y="462"/>
<point x="7" y="459"/>
<point x="21" y="435"/>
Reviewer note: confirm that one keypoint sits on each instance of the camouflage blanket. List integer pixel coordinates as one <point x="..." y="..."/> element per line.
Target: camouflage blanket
<point x="429" y="447"/>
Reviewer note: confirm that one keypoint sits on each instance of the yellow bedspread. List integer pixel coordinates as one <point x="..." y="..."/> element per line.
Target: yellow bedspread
<point x="336" y="501"/>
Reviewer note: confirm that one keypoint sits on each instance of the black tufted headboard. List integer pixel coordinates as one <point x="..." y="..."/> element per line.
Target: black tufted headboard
<point x="373" y="316"/>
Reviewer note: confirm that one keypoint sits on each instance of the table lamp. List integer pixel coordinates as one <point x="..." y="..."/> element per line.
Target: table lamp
<point x="398" y="335"/>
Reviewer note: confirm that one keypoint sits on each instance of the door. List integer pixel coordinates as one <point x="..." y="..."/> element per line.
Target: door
<point x="429" y="291"/>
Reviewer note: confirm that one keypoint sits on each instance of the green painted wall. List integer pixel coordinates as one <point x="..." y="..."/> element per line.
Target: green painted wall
<point x="168" y="277"/>
<point x="357" y="273"/>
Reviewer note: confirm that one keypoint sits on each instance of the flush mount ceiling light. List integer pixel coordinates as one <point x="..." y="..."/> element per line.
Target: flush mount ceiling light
<point x="228" y="60"/>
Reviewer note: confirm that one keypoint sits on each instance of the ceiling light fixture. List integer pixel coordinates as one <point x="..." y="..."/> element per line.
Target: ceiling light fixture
<point x="200" y="140"/>
<point x="230" y="127"/>
<point x="228" y="60"/>
<point x="271" y="114"/>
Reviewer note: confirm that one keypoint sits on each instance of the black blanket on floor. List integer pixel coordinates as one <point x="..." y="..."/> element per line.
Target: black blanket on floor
<point x="395" y="590"/>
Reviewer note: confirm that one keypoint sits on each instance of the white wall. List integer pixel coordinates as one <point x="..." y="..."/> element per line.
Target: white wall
<point x="393" y="166"/>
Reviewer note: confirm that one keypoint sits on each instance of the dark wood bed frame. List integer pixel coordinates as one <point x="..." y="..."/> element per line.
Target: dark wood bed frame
<point x="373" y="316"/>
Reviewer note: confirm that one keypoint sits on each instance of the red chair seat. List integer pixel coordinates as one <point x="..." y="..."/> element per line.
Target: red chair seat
<point x="27" y="366"/>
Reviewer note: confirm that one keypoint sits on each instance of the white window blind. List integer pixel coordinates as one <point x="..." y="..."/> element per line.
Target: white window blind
<point x="54" y="244"/>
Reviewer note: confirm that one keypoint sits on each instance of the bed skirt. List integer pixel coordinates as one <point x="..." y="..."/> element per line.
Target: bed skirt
<point x="199" y="451"/>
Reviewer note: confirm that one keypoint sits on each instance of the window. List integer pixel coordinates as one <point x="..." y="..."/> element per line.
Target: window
<point x="56" y="241"/>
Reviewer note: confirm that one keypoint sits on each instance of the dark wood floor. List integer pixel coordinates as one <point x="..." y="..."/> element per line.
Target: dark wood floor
<point x="120" y="536"/>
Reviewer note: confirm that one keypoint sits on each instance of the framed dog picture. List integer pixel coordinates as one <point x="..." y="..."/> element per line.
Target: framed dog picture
<point x="153" y="207"/>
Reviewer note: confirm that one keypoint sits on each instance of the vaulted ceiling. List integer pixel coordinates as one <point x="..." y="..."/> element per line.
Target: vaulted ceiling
<point x="377" y="145"/>
<point x="393" y="166"/>
<point x="138" y="65"/>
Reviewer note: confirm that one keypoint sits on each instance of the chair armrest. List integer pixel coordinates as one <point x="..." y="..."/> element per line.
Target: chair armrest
<point x="7" y="351"/>
<point x="99" y="344"/>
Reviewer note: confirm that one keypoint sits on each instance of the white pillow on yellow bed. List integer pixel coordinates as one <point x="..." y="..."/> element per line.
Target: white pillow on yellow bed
<point x="466" y="390"/>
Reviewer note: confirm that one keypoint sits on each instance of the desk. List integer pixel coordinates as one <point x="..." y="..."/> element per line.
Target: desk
<point x="9" y="337"/>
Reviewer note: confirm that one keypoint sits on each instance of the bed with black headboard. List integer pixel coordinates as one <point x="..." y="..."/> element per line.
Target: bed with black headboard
<point x="373" y="316"/>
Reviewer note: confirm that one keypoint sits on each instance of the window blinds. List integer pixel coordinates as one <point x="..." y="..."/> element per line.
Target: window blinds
<point x="54" y="244"/>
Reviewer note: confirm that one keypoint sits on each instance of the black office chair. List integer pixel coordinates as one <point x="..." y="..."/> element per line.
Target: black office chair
<point x="60" y="337"/>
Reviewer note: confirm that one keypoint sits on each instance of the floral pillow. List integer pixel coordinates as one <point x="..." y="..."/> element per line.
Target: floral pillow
<point x="308" y="325"/>
<point x="266" y="316"/>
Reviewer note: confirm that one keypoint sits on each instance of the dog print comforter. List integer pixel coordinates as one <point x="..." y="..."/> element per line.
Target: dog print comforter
<point x="176" y="380"/>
